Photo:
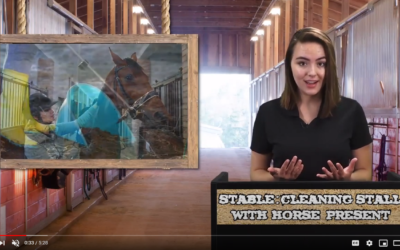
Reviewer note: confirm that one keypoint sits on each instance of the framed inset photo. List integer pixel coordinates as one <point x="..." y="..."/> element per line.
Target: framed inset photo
<point x="99" y="101"/>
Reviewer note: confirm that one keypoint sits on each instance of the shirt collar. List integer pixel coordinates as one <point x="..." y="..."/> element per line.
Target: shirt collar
<point x="295" y="111"/>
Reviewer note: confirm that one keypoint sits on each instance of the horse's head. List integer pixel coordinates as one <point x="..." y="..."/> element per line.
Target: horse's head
<point x="128" y="86"/>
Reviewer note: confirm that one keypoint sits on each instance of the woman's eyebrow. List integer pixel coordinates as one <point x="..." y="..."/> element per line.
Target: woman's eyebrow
<point x="304" y="58"/>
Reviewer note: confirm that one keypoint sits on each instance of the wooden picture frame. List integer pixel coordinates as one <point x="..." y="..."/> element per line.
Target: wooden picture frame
<point x="190" y="74"/>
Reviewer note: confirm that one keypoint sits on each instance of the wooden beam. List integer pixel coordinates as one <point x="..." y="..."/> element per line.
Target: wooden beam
<point x="225" y="3"/>
<point x="233" y="24"/>
<point x="119" y="16"/>
<point x="125" y="17"/>
<point x="142" y="28"/>
<point x="287" y="23"/>
<point x="98" y="15"/>
<point x="157" y="9"/>
<point x="73" y="7"/>
<point x="112" y="17"/>
<point x="104" y="8"/>
<point x="261" y="53"/>
<point x="232" y="20"/>
<point x="276" y="40"/>
<point x="294" y="17"/>
<point x="301" y="14"/>
<point x="134" y="24"/>
<point x="82" y="9"/>
<point x="11" y="10"/>
<point x="82" y="6"/>
<point x="332" y="14"/>
<point x="226" y="23"/>
<point x="318" y="21"/>
<point x="325" y="14"/>
<point x="134" y="18"/>
<point x="268" y="54"/>
<point x="282" y="48"/>
<point x="333" y="6"/>
<point x="210" y="30"/>
<point x="265" y="49"/>
<point x="345" y="9"/>
<point x="90" y="13"/>
<point x="198" y="14"/>
<point x="130" y="5"/>
<point x="355" y="4"/>
<point x="255" y="70"/>
<point x="310" y="11"/>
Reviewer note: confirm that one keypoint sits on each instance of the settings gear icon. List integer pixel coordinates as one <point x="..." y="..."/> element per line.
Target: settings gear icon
<point x="369" y="243"/>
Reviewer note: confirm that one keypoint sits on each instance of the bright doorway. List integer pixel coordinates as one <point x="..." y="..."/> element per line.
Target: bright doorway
<point x="224" y="109"/>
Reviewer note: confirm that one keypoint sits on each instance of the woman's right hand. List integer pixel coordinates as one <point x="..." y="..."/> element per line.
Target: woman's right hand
<point x="290" y="170"/>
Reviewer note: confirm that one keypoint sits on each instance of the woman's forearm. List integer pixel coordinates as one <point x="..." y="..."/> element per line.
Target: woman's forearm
<point x="361" y="175"/>
<point x="261" y="175"/>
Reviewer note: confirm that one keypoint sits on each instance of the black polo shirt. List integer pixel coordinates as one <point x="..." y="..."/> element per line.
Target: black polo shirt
<point x="284" y="134"/>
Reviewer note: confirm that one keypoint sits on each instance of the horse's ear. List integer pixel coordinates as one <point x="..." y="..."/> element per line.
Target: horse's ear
<point x="117" y="60"/>
<point x="134" y="57"/>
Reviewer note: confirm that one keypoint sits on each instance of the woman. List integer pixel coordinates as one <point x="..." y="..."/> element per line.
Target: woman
<point x="42" y="143"/>
<point x="311" y="132"/>
<point x="40" y="140"/>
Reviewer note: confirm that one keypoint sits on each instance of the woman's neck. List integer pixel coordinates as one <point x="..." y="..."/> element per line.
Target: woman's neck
<point x="309" y="101"/>
<point x="308" y="107"/>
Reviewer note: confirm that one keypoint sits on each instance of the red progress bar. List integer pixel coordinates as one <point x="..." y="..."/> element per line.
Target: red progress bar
<point x="13" y="235"/>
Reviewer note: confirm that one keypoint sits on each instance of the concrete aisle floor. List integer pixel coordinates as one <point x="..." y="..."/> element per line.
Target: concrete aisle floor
<point x="160" y="209"/>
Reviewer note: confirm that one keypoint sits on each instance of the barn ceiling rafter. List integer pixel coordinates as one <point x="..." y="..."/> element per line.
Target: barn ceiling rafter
<point x="198" y="16"/>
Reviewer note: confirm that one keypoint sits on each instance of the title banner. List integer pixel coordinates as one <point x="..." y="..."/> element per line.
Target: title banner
<point x="308" y="206"/>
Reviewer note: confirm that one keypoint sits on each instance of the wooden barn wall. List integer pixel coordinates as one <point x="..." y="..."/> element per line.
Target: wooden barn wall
<point x="224" y="52"/>
<point x="44" y="20"/>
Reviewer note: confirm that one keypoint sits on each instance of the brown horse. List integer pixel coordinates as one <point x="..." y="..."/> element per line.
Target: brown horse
<point x="129" y="89"/>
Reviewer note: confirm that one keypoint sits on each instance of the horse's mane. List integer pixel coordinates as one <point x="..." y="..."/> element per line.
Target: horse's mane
<point x="133" y="64"/>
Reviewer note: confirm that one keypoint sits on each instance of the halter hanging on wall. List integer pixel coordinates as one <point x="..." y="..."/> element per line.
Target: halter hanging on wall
<point x="377" y="124"/>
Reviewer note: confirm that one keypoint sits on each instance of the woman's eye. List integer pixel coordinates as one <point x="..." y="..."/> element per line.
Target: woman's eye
<point x="323" y="64"/>
<point x="302" y="63"/>
<point x="129" y="77"/>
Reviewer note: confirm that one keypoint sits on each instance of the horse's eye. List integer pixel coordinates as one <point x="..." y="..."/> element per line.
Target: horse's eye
<point x="129" y="77"/>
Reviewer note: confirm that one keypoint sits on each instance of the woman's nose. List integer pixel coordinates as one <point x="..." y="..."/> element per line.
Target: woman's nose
<point x="312" y="71"/>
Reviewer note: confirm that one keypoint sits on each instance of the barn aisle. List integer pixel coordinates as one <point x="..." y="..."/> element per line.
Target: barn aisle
<point x="163" y="209"/>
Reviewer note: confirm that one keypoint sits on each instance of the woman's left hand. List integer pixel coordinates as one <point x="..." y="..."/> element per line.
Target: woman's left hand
<point x="338" y="172"/>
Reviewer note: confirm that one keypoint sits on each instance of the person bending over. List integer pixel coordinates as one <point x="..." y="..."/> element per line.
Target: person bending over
<point x="41" y="141"/>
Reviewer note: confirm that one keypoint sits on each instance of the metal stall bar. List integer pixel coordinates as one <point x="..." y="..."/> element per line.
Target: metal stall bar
<point x="170" y="92"/>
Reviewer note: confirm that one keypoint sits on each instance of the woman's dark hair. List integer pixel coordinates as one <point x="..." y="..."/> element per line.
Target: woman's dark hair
<point x="35" y="112"/>
<point x="330" y="86"/>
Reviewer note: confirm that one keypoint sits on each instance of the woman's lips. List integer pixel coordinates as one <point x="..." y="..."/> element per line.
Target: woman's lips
<point x="311" y="82"/>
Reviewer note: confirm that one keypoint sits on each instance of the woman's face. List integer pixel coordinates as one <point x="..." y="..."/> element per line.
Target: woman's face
<point x="308" y="67"/>
<point x="47" y="115"/>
